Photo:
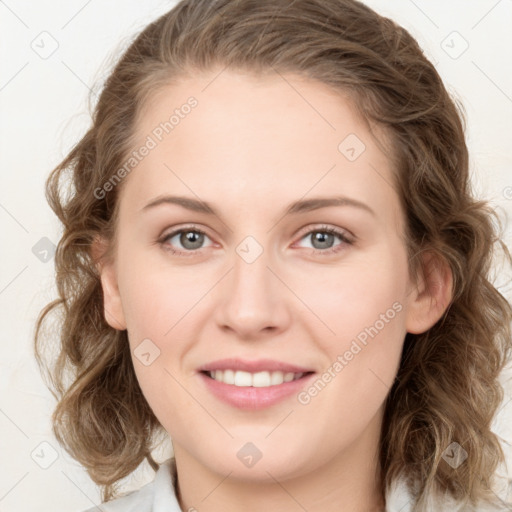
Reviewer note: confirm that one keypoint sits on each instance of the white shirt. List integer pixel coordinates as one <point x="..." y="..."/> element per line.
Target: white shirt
<point x="159" y="496"/>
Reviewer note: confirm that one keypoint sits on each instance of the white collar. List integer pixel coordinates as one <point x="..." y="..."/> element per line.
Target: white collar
<point x="156" y="496"/>
<point x="165" y="499"/>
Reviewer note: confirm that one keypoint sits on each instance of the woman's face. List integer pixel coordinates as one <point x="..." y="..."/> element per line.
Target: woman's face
<point x="255" y="285"/>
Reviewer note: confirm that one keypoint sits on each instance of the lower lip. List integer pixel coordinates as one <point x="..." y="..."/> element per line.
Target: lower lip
<point x="253" y="398"/>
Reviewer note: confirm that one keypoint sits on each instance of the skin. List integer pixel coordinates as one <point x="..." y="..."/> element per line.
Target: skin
<point x="251" y="147"/>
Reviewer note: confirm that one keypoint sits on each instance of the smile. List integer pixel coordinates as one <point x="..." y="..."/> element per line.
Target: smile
<point x="261" y="379"/>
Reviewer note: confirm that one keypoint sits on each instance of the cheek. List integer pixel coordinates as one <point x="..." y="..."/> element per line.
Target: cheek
<point x="157" y="298"/>
<point x="365" y="310"/>
<point x="362" y="360"/>
<point x="367" y="292"/>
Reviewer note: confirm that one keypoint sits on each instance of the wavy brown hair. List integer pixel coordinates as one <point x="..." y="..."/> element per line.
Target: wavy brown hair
<point x="447" y="387"/>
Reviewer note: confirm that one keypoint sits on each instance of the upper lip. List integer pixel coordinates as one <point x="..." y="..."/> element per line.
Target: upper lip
<point x="253" y="366"/>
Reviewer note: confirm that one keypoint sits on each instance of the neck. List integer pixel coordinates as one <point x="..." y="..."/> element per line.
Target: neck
<point x="350" y="481"/>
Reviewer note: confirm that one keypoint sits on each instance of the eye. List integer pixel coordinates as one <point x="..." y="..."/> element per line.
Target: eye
<point x="191" y="239"/>
<point x="323" y="237"/>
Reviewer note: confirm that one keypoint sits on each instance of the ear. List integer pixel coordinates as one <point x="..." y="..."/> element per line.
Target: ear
<point x="431" y="295"/>
<point x="113" y="308"/>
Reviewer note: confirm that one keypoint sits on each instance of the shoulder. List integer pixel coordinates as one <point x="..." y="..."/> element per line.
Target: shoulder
<point x="152" y="497"/>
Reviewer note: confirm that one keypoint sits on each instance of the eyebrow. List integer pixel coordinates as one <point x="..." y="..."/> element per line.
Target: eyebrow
<point x="301" y="206"/>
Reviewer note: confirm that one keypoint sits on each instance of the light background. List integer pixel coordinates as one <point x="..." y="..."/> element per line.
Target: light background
<point x="43" y="105"/>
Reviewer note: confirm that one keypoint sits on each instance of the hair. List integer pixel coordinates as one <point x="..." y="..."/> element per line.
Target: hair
<point x="447" y="388"/>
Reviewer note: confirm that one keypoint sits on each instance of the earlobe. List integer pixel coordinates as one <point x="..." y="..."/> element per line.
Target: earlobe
<point x="432" y="294"/>
<point x="113" y="308"/>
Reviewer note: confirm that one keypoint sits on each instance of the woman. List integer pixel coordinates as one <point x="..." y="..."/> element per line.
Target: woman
<point x="356" y="372"/>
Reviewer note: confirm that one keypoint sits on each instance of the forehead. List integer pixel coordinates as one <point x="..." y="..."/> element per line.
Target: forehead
<point x="257" y="138"/>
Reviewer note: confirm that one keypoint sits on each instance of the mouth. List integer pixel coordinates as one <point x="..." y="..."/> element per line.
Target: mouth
<point x="253" y="385"/>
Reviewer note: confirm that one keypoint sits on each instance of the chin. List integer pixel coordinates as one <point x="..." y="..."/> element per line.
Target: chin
<point x="259" y="462"/>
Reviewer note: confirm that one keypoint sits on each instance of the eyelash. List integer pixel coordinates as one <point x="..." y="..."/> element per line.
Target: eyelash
<point x="323" y="229"/>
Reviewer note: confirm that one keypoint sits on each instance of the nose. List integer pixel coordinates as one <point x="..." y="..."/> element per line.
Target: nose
<point x="252" y="301"/>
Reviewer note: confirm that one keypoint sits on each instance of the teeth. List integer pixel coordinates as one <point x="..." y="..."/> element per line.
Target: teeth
<point x="227" y="376"/>
<point x="257" y="380"/>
